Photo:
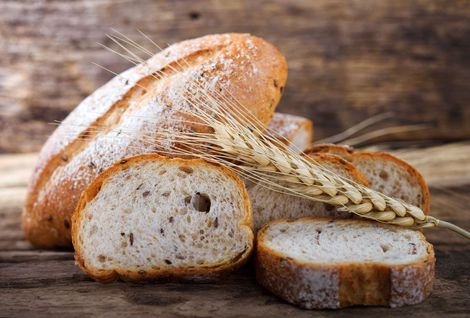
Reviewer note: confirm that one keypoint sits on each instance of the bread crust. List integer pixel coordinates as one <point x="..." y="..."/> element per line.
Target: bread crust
<point x="237" y="66"/>
<point x="414" y="173"/>
<point x="194" y="273"/>
<point x="348" y="153"/>
<point x="288" y="128"/>
<point x="354" y="173"/>
<point x="342" y="284"/>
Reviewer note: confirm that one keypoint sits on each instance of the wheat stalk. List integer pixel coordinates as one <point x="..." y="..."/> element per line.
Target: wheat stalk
<point x="238" y="140"/>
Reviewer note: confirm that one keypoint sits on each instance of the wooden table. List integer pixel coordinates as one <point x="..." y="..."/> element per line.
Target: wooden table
<point x="47" y="283"/>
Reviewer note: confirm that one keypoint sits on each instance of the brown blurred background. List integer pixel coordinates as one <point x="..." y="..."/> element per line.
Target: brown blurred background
<point x="348" y="60"/>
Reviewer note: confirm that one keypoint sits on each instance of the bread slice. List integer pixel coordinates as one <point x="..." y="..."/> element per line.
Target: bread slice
<point x="296" y="131"/>
<point x="270" y="205"/>
<point x="385" y="172"/>
<point x="327" y="263"/>
<point x="149" y="216"/>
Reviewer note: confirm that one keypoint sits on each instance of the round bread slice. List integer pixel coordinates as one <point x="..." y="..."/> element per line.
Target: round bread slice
<point x="326" y="263"/>
<point x="386" y="173"/>
<point x="150" y="216"/>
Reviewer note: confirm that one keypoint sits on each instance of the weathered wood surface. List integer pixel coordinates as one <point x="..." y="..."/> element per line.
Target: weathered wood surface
<point x="348" y="60"/>
<point x="47" y="283"/>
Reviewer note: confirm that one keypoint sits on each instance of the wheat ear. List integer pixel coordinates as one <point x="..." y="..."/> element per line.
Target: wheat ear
<point x="238" y="141"/>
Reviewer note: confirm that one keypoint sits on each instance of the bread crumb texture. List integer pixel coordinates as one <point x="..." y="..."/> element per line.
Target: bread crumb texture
<point x="157" y="215"/>
<point x="324" y="242"/>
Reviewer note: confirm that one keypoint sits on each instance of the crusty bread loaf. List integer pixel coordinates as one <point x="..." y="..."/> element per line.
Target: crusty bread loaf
<point x="295" y="131"/>
<point x="115" y="117"/>
<point x="149" y="216"/>
<point x="385" y="172"/>
<point x="270" y="205"/>
<point x="327" y="263"/>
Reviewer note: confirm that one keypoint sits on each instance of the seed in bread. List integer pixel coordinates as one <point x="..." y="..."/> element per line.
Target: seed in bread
<point x="325" y="263"/>
<point x="150" y="216"/>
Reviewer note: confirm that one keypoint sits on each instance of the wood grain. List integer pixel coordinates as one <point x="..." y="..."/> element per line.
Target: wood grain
<point x="47" y="283"/>
<point x="347" y="61"/>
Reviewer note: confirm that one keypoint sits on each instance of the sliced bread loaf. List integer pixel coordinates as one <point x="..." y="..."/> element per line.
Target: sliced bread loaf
<point x="114" y="122"/>
<point x="295" y="131"/>
<point x="270" y="205"/>
<point x="150" y="216"/>
<point x="385" y="172"/>
<point x="326" y="263"/>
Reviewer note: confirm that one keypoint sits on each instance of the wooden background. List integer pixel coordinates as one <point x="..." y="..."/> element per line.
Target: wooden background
<point x="348" y="60"/>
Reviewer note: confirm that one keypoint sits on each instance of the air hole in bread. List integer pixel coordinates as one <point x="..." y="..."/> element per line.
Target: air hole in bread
<point x="101" y="258"/>
<point x="165" y="194"/>
<point x="201" y="202"/>
<point x="162" y="172"/>
<point x="412" y="249"/>
<point x="93" y="230"/>
<point x="383" y="174"/>
<point x="385" y="248"/>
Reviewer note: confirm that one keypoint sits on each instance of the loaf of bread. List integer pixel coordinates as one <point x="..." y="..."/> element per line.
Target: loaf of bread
<point x="385" y="172"/>
<point x="295" y="131"/>
<point x="110" y="124"/>
<point x="327" y="263"/>
<point x="149" y="216"/>
<point x="270" y="205"/>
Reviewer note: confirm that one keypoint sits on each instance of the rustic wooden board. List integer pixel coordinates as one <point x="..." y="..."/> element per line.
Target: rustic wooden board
<point x="347" y="60"/>
<point x="47" y="283"/>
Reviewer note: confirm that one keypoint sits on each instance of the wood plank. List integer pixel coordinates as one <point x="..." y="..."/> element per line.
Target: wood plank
<point x="56" y="287"/>
<point x="347" y="61"/>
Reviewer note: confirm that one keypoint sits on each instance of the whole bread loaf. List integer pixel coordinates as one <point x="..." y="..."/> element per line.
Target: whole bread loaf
<point x="150" y="216"/>
<point x="110" y="124"/>
<point x="326" y="263"/>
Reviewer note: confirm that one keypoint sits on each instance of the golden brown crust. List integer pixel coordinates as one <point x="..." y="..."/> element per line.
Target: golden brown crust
<point x="352" y="156"/>
<point x="353" y="173"/>
<point x="239" y="65"/>
<point x="288" y="128"/>
<point x="194" y="273"/>
<point x="342" y="284"/>
<point x="343" y="151"/>
<point x="412" y="171"/>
